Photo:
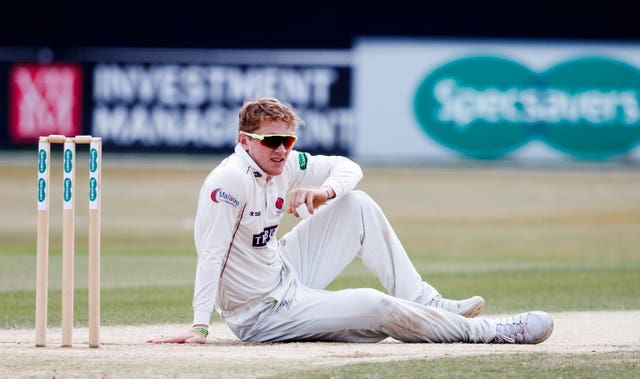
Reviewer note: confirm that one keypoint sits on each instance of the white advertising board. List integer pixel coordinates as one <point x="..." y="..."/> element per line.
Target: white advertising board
<point x="438" y="100"/>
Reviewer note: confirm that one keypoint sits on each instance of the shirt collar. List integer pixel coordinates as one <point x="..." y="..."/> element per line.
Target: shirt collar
<point x="257" y="171"/>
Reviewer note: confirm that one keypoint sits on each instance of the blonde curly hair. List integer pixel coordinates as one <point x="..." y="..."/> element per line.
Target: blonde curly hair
<point x="255" y="113"/>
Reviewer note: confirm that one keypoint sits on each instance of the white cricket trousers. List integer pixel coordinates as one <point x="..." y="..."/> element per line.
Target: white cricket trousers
<point x="318" y="249"/>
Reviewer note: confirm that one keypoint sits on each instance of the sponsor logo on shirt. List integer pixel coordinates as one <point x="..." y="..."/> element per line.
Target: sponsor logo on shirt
<point x="219" y="195"/>
<point x="261" y="239"/>
<point x="286" y="303"/>
<point x="302" y="160"/>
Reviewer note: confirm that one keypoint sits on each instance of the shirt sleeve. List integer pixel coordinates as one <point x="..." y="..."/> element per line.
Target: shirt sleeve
<point x="220" y="206"/>
<point x="340" y="173"/>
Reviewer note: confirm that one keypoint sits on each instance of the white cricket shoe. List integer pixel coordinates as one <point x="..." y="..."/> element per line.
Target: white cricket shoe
<point x="526" y="328"/>
<point x="468" y="307"/>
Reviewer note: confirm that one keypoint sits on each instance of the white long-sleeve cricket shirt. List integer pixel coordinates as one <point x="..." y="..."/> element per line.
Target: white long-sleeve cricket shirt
<point x="236" y="224"/>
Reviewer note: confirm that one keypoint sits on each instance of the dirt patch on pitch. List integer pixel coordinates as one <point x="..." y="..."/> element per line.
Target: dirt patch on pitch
<point x="124" y="352"/>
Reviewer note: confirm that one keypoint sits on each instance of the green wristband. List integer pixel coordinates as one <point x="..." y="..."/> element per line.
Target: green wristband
<point x="204" y="331"/>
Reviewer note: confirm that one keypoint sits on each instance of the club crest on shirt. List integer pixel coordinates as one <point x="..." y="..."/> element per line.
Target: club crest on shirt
<point x="219" y="195"/>
<point x="279" y="203"/>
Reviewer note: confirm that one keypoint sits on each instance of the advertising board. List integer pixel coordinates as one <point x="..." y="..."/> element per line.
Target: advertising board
<point x="524" y="101"/>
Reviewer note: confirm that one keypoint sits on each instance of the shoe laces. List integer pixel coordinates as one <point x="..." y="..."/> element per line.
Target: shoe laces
<point x="508" y="329"/>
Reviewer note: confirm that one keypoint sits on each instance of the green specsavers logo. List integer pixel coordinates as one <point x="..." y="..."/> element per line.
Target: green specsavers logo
<point x="486" y="107"/>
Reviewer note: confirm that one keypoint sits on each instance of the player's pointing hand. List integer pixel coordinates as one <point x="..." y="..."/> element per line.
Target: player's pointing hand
<point x="312" y="198"/>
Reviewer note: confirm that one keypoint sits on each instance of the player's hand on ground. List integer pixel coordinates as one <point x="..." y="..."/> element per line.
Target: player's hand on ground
<point x="192" y="336"/>
<point x="311" y="197"/>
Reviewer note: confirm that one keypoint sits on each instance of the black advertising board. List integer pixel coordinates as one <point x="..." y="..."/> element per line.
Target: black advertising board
<point x="161" y="100"/>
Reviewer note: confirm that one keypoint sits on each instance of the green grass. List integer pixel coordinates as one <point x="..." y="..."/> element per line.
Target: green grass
<point x="555" y="239"/>
<point x="535" y="365"/>
<point x="168" y="300"/>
